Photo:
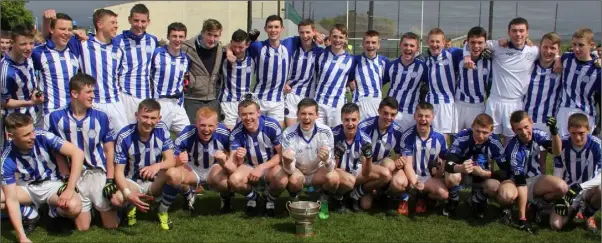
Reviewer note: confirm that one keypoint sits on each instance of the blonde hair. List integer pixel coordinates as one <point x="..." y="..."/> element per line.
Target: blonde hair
<point x="586" y="33"/>
<point x="205" y="112"/>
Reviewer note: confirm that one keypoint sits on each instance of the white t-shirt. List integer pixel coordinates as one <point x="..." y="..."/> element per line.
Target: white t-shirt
<point x="306" y="145"/>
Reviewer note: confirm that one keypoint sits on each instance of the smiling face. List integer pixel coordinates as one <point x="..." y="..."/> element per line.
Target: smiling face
<point x="306" y="33"/>
<point x="23" y="137"/>
<point x="62" y="31"/>
<point x="523" y="129"/>
<point x="371" y="44"/>
<point x="409" y="47"/>
<point x="338" y="40"/>
<point x="249" y="117"/>
<point x="518" y="34"/>
<point x="477" y="45"/>
<point x="386" y="115"/>
<point x="436" y="44"/>
<point x="138" y="23"/>
<point x="84" y="97"/>
<point x="206" y="126"/>
<point x="22" y="46"/>
<point x="176" y="38"/>
<point x="273" y="29"/>
<point x="549" y="50"/>
<point x="306" y="116"/>
<point x="108" y="25"/>
<point x="147" y="120"/>
<point x="424" y="119"/>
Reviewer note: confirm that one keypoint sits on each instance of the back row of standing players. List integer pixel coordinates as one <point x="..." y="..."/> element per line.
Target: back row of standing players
<point x="300" y="68"/>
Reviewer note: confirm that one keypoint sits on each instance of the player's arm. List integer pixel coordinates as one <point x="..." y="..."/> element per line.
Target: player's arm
<point x="288" y="154"/>
<point x="9" y="187"/>
<point x="237" y="153"/>
<point x="453" y="160"/>
<point x="8" y="82"/>
<point x="121" y="159"/>
<point x="109" y="149"/>
<point x="406" y="159"/>
<point x="76" y="157"/>
<point x="51" y="125"/>
<point x="559" y="166"/>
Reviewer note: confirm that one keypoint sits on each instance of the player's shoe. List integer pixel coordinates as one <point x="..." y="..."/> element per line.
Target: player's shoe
<point x="506" y="216"/>
<point x="450" y="208"/>
<point x="590" y="225"/>
<point x="402" y="208"/>
<point x="131" y="216"/>
<point x="29" y="225"/>
<point x="164" y="220"/>
<point x="251" y="208"/>
<point x="392" y="206"/>
<point x="226" y="205"/>
<point x="421" y="205"/>
<point x="580" y="216"/>
<point x="189" y="204"/>
<point x="340" y="204"/>
<point x="526" y="226"/>
<point x="270" y="208"/>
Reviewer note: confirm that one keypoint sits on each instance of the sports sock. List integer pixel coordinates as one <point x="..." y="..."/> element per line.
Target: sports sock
<point x="478" y="195"/>
<point x="29" y="212"/>
<point x="252" y="195"/>
<point x="226" y="195"/>
<point x="169" y="195"/>
<point x="268" y="195"/>
<point x="589" y="210"/>
<point x="454" y="193"/>
<point x="188" y="194"/>
<point x="358" y="192"/>
<point x="404" y="197"/>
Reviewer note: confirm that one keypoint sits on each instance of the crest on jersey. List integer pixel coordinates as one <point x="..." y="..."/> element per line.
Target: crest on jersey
<point x="249" y="69"/>
<point x="414" y="74"/>
<point x="445" y="62"/>
<point x="529" y="56"/>
<point x="149" y="49"/>
<point x="92" y="134"/>
<point x="114" y="55"/>
<point x="485" y="71"/>
<point x="585" y="79"/>
<point x="553" y="76"/>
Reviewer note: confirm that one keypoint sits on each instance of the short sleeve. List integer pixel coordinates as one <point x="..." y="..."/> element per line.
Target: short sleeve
<point x="166" y="139"/>
<point x="121" y="150"/>
<point x="236" y="140"/>
<point x="52" y="141"/>
<point x="107" y="132"/>
<point x="9" y="169"/>
<point x="407" y="145"/>
<point x="276" y="135"/>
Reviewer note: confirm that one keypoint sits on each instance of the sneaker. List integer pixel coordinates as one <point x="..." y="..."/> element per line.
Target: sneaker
<point x="590" y="225"/>
<point x="164" y="220"/>
<point x="29" y="225"/>
<point x="506" y="217"/>
<point x="421" y="206"/>
<point x="392" y="206"/>
<point x="355" y="205"/>
<point x="226" y="205"/>
<point x="270" y="208"/>
<point x="478" y="209"/>
<point x="251" y="207"/>
<point x="340" y="205"/>
<point x="526" y="226"/>
<point x="189" y="204"/>
<point x="131" y="216"/>
<point x="61" y="225"/>
<point x="580" y="216"/>
<point x="450" y="208"/>
<point x="323" y="210"/>
<point x="402" y="208"/>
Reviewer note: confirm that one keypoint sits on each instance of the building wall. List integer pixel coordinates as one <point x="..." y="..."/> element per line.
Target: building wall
<point x="231" y="14"/>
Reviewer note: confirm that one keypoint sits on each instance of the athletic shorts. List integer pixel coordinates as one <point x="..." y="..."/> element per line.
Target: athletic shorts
<point x="130" y="105"/>
<point x="90" y="185"/>
<point x="405" y="120"/>
<point x="40" y="193"/>
<point x="273" y="109"/>
<point x="443" y="121"/>
<point x="368" y="107"/>
<point x="290" y="105"/>
<point x="116" y="113"/>
<point x="330" y="116"/>
<point x="230" y="111"/>
<point x="466" y="113"/>
<point x="562" y="118"/>
<point x="143" y="186"/>
<point x="201" y="173"/>
<point x="500" y="111"/>
<point x="530" y="187"/>
<point x="173" y="115"/>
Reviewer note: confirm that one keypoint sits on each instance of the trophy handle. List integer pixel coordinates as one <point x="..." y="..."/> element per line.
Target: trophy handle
<point x="288" y="204"/>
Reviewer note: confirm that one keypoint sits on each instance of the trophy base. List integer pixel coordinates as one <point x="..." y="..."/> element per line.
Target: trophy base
<point x="304" y="229"/>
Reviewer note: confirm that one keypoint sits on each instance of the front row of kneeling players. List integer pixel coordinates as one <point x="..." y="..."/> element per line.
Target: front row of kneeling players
<point x="353" y="159"/>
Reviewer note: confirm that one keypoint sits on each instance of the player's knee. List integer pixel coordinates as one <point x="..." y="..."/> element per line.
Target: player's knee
<point x="236" y="181"/>
<point x="452" y="180"/>
<point x="332" y="178"/>
<point x="295" y="183"/>
<point x="117" y="200"/>
<point x="506" y="196"/>
<point x="174" y="177"/>
<point x="385" y="175"/>
<point x="110" y="224"/>
<point x="562" y="187"/>
<point x="279" y="182"/>
<point x="82" y="226"/>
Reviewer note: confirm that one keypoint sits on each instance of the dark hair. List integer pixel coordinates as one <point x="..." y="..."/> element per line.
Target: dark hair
<point x="410" y="35"/>
<point x="61" y="16"/>
<point x="211" y="25"/>
<point x="306" y="102"/>
<point x="476" y="31"/>
<point x="79" y="80"/>
<point x="274" y="18"/>
<point x="578" y="120"/>
<point x="4" y="34"/>
<point x="350" y="108"/>
<point x="518" y="116"/>
<point x="425" y="106"/>
<point x="341" y="27"/>
<point x="176" y="26"/>
<point x="139" y="9"/>
<point x="389" y="102"/>
<point x="101" y="13"/>
<point x="149" y="105"/>
<point x="16" y="120"/>
<point x="240" y="36"/>
<point x="517" y="21"/>
<point x="371" y="33"/>
<point x="307" y="22"/>
<point x="21" y="30"/>
<point x="247" y="102"/>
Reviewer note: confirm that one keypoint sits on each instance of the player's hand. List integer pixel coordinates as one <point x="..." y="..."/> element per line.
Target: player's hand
<point x="528" y="42"/>
<point x="486" y="54"/>
<point x="419" y="186"/>
<point x="230" y="56"/>
<point x="319" y="38"/>
<point x="477" y="170"/>
<point x="467" y="167"/>
<point x="109" y="189"/>
<point x="503" y="42"/>
<point x="64" y="197"/>
<point x="49" y="14"/>
<point x="352" y="85"/>
<point x="323" y="153"/>
<point x="287" y="87"/>
<point x="253" y="35"/>
<point x="183" y="157"/>
<point x="557" y="65"/>
<point x="598" y="63"/>
<point x="288" y="155"/>
<point x="561" y="207"/>
<point x="240" y="155"/>
<point x="399" y="162"/>
<point x="367" y="150"/>
<point x="37" y="97"/>
<point x="255" y="175"/>
<point x="80" y="35"/>
<point x="140" y="200"/>
<point x="339" y="150"/>
<point x="468" y="62"/>
<point x="220" y="156"/>
<point x="149" y="172"/>
<point x="551" y="123"/>
<point x="574" y="190"/>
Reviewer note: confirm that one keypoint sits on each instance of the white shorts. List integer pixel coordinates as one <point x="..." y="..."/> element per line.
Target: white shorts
<point x="329" y="116"/>
<point x="116" y="113"/>
<point x="530" y="186"/>
<point x="443" y="121"/>
<point x="143" y="186"/>
<point x="368" y="107"/>
<point x="201" y="173"/>
<point x="173" y="115"/>
<point x="230" y="111"/>
<point x="405" y="120"/>
<point x="273" y="109"/>
<point x="40" y="193"/>
<point x="500" y="111"/>
<point x="290" y="105"/>
<point x="130" y="105"/>
<point x="90" y="185"/>
<point x="562" y="118"/>
<point x="466" y="113"/>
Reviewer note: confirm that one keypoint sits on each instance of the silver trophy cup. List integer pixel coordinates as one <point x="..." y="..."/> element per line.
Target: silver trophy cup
<point x="304" y="213"/>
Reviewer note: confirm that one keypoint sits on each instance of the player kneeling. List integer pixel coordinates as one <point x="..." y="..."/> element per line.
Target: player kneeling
<point x="579" y="165"/>
<point x="202" y="149"/>
<point x="353" y="156"/>
<point x="308" y="158"/>
<point x="143" y="152"/>
<point x="256" y="153"/>
<point x="470" y="156"/>
<point x="421" y="153"/>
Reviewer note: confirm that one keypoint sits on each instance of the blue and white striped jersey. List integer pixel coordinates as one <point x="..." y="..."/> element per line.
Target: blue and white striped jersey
<point x="56" y="68"/>
<point x="351" y="158"/>
<point x="465" y="148"/>
<point x="442" y="76"/>
<point x="423" y="151"/>
<point x="382" y="144"/>
<point x="89" y="134"/>
<point x="472" y="83"/>
<point x="579" y="165"/>
<point x="134" y="77"/>
<point x="333" y="72"/>
<point x="136" y="154"/>
<point x="272" y="68"/>
<point x="303" y="70"/>
<point x="543" y="95"/>
<point x="18" y="82"/>
<point x="306" y="145"/>
<point x="237" y="79"/>
<point x="102" y="61"/>
<point x="167" y="73"/>
<point x="524" y="158"/>
<point x="201" y="154"/>
<point x="580" y="81"/>
<point x="369" y="74"/>
<point x="405" y="81"/>
<point x="260" y="146"/>
<point x="37" y="165"/>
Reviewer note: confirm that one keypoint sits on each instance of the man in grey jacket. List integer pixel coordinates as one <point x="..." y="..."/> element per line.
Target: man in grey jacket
<point x="204" y="78"/>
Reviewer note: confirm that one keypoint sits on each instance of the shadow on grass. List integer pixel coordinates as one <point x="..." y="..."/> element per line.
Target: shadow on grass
<point x="288" y="228"/>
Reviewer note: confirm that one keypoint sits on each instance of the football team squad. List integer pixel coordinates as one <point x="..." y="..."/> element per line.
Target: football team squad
<point x="89" y="120"/>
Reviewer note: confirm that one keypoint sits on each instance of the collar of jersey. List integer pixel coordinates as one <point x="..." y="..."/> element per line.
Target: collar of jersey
<point x="313" y="133"/>
<point x="7" y="57"/>
<point x="136" y="134"/>
<point x="430" y="133"/>
<point x="587" y="143"/>
<point x="330" y="50"/>
<point x="92" y="37"/>
<point x="181" y="54"/>
<point x="70" y="111"/>
<point x="374" y="58"/>
<point x="590" y="62"/>
<point x="375" y="127"/>
<point x="511" y="46"/>
<point x="50" y="44"/>
<point x="131" y="35"/>
<point x="401" y="62"/>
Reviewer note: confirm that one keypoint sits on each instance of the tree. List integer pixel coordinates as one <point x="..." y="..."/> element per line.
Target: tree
<point x="14" y="13"/>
